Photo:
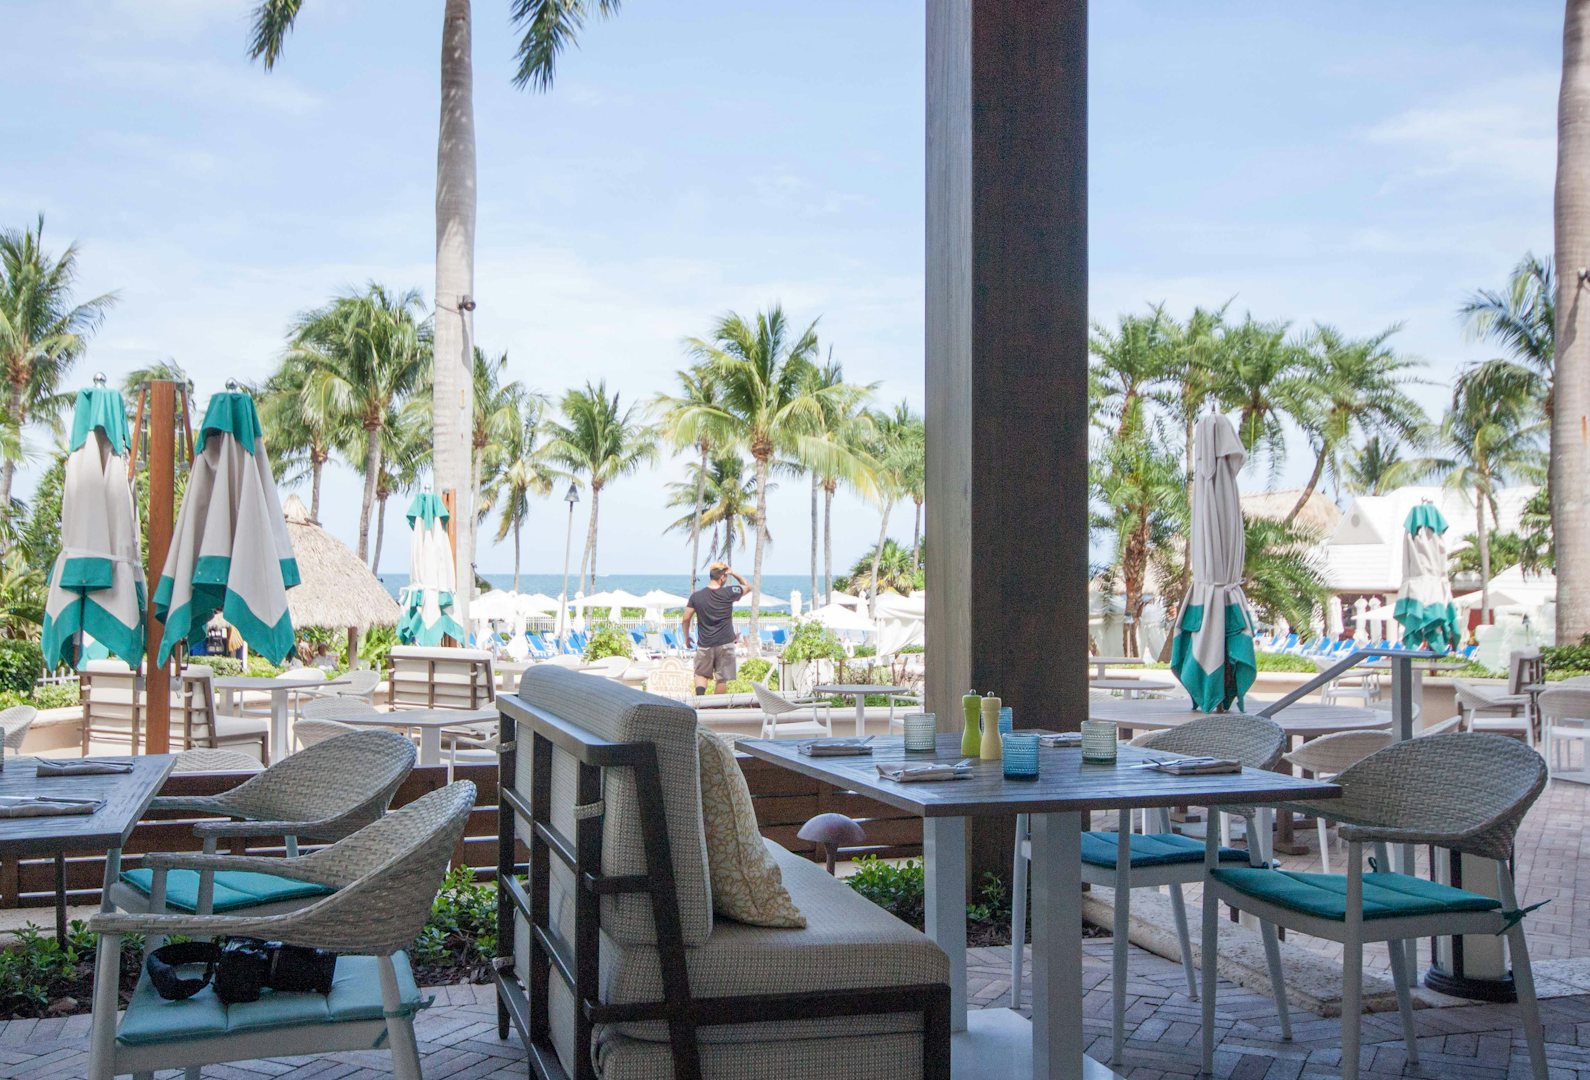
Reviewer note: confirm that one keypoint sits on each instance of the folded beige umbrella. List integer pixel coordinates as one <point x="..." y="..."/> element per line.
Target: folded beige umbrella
<point x="230" y="551"/>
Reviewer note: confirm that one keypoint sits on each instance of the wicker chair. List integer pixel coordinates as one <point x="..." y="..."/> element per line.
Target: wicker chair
<point x="14" y="725"/>
<point x="1506" y="713"/>
<point x="205" y="760"/>
<point x="355" y="684"/>
<point x="384" y="880"/>
<point x="310" y="732"/>
<point x="1465" y="792"/>
<point x="1126" y="861"/>
<point x="776" y="708"/>
<point x="1558" y="706"/>
<point x="322" y="793"/>
<point x="1331" y="754"/>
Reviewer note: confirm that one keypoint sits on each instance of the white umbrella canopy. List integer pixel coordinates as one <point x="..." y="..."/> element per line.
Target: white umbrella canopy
<point x="839" y="617"/>
<point x="1213" y="654"/>
<point x="496" y="604"/>
<point x="767" y="601"/>
<point x="428" y="599"/>
<point x="661" y="598"/>
<point x="1424" y="601"/>
<point x="838" y="597"/>
<point x="615" y="598"/>
<point x="97" y="582"/>
<point x="230" y="551"/>
<point x="535" y="605"/>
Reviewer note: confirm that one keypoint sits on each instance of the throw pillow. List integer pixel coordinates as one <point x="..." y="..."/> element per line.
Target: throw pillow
<point x="746" y="883"/>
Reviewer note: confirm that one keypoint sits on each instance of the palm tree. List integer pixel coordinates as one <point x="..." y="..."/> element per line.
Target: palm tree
<point x="517" y="468"/>
<point x="729" y="501"/>
<point x="895" y="447"/>
<point x="1351" y="386"/>
<point x="894" y="571"/>
<point x="546" y="27"/>
<point x="43" y="332"/>
<point x="1194" y="354"/>
<point x="405" y="458"/>
<point x="1130" y="364"/>
<point x="694" y="419"/>
<point x="1140" y="497"/>
<point x="1281" y="572"/>
<point x="1377" y="467"/>
<point x="834" y="455"/>
<point x="364" y="353"/>
<point x="601" y="442"/>
<point x="1570" y="449"/>
<point x="765" y="374"/>
<point x="300" y="434"/>
<point x="1258" y="375"/>
<point x="1522" y="319"/>
<point x="1485" y="441"/>
<point x="498" y="410"/>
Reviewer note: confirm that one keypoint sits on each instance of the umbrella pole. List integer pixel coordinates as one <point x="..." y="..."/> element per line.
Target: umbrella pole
<point x="450" y="500"/>
<point x="162" y="496"/>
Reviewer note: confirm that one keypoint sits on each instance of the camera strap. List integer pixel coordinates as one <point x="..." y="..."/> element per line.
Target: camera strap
<point x="164" y="962"/>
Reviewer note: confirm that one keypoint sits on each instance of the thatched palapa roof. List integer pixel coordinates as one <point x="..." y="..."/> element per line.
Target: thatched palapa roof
<point x="337" y="590"/>
<point x="1319" y="514"/>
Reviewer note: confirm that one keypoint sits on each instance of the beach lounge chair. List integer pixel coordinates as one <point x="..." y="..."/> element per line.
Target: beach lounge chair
<point x="1499" y="710"/>
<point x="1290" y="644"/>
<point x="435" y="678"/>
<point x="778" y="716"/>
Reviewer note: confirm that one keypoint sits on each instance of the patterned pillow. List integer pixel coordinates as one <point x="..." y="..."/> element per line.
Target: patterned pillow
<point x="746" y="883"/>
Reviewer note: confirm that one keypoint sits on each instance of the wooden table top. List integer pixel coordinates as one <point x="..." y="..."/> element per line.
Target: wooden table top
<point x="1130" y="684"/>
<point x="272" y="682"/>
<point x="857" y="688"/>
<point x="1301" y="720"/>
<point x="127" y="797"/>
<point x="1064" y="784"/>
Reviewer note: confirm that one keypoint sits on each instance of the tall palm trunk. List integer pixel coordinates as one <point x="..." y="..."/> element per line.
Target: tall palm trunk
<point x="516" y="524"/>
<point x="1570" y="416"/>
<point x="916" y="542"/>
<point x="877" y="557"/>
<point x="1483" y="539"/>
<point x="1308" y="489"/>
<point x="828" y="542"/>
<point x="8" y="469"/>
<point x="761" y="546"/>
<point x="815" y="485"/>
<point x="317" y="463"/>
<point x="372" y="476"/>
<point x="453" y="403"/>
<point x="590" y="538"/>
<point x="380" y="533"/>
<point x="695" y="522"/>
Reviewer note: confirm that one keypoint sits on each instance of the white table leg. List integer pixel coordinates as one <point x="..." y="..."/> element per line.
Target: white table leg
<point x="430" y="744"/>
<point x="1057" y="1045"/>
<point x="278" y="725"/>
<point x="861" y="716"/>
<point x="944" y="858"/>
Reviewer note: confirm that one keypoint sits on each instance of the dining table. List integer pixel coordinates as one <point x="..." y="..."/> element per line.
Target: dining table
<point x="859" y="691"/>
<point x="1131" y="687"/>
<point x="1001" y="1043"/>
<point x="281" y="688"/>
<point x="1103" y="664"/>
<point x="123" y="797"/>
<point x="430" y="723"/>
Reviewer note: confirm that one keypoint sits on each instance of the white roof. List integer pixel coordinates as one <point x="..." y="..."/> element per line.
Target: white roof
<point x="1364" y="554"/>
<point x="1514" y="590"/>
<point x="839" y="617"/>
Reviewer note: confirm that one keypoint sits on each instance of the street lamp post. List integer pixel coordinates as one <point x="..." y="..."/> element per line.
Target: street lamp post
<point x="568" y="544"/>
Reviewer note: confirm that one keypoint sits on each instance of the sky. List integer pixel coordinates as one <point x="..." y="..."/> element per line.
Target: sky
<point x="1357" y="164"/>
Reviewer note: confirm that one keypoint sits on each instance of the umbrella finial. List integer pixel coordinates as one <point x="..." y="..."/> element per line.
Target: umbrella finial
<point x="231" y="386"/>
<point x="99" y="378"/>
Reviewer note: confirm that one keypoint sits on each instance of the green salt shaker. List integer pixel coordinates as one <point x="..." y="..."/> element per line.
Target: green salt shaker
<point x="972" y="737"/>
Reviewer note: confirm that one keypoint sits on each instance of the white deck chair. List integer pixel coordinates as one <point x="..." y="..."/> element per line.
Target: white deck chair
<point x="774" y="711"/>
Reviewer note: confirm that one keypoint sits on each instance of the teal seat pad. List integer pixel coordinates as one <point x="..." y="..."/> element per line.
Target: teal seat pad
<point x="1386" y="895"/>
<point x="234" y="889"/>
<point x="355" y="995"/>
<point x="1152" y="849"/>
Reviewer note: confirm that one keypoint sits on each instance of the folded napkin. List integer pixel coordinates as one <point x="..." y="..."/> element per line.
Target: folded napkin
<point x="83" y="766"/>
<point x="14" y="806"/>
<point x="836" y="747"/>
<point x="1196" y="766"/>
<point x="1057" y="738"/>
<point x="906" y="774"/>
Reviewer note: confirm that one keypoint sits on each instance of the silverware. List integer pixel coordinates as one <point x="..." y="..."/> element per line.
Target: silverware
<point x="964" y="763"/>
<point x="47" y="799"/>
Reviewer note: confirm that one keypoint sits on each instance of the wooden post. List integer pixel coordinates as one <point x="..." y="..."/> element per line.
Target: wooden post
<point x="162" y="499"/>
<point x="353" y="647"/>
<point x="450" y="500"/>
<point x="1007" y="365"/>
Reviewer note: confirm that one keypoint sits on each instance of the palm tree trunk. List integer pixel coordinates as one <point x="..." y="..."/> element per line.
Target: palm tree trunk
<point x="828" y="543"/>
<point x="1570" y="414"/>
<point x="815" y="485"/>
<point x="596" y="496"/>
<point x="1483" y="539"/>
<point x="516" y="524"/>
<point x="695" y="522"/>
<point x="317" y="463"/>
<point x="1308" y="489"/>
<point x="372" y="472"/>
<point x="916" y="543"/>
<point x="877" y="557"/>
<point x="380" y="533"/>
<point x="761" y="546"/>
<point x="8" y="470"/>
<point x="453" y="403"/>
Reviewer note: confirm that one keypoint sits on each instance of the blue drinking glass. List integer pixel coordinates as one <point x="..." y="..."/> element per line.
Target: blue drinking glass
<point x="1020" y="752"/>
<point x="1007" y="720"/>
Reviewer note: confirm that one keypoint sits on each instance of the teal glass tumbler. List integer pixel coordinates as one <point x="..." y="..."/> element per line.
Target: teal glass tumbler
<point x="1007" y="719"/>
<point x="1020" y="752"/>
<point x="921" y="731"/>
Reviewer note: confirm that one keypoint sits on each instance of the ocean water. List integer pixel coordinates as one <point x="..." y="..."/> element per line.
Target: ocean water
<point x="779" y="585"/>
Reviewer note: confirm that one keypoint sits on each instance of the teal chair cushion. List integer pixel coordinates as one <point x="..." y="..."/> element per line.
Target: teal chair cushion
<point x="1386" y="895"/>
<point x="355" y="995"/>
<point x="234" y="889"/>
<point x="1151" y="849"/>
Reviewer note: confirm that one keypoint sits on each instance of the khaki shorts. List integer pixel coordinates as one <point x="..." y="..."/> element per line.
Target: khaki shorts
<point x="715" y="662"/>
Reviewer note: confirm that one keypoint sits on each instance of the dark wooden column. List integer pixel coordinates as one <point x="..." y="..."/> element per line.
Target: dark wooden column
<point x="1007" y="320"/>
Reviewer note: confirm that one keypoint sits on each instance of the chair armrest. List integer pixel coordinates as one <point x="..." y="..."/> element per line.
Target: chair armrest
<point x="293" y="868"/>
<point x="199" y="926"/>
<point x="257" y="828"/>
<point x="206" y="804"/>
<point x="1383" y="834"/>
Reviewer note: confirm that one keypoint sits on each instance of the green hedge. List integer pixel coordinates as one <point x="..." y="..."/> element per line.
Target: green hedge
<point x="21" y="665"/>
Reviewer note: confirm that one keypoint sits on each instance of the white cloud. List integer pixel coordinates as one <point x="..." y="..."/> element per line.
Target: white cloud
<point x="1502" y="130"/>
<point x="204" y="83"/>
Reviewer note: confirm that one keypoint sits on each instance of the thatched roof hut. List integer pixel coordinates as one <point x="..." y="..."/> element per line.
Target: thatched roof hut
<point x="337" y="590"/>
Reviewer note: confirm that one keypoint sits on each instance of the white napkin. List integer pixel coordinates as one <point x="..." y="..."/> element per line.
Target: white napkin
<point x="83" y="766"/>
<point x="15" y="806"/>
<point x="906" y="774"/>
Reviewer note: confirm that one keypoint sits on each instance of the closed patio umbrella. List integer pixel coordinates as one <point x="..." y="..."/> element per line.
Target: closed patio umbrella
<point x="1212" y="654"/>
<point x="1424" y="601"/>
<point x="97" y="582"/>
<point x="428" y="613"/>
<point x="230" y="551"/>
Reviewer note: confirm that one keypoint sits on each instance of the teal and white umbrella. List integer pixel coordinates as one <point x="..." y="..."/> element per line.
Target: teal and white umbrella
<point x="230" y="551"/>
<point x="96" y="600"/>
<point x="1424" y="602"/>
<point x="427" y="600"/>
<point x="1212" y="653"/>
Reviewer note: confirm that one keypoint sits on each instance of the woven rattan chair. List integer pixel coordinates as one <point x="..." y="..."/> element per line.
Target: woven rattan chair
<point x="776" y="709"/>
<point x="384" y="880"/>
<point x="354" y="684"/>
<point x="1564" y="714"/>
<point x="309" y="732"/>
<point x="1441" y="727"/>
<point x="322" y="793"/>
<point x="14" y="725"/>
<point x="1465" y="792"/>
<point x="1135" y="861"/>
<point x="205" y="760"/>
<point x="1331" y="754"/>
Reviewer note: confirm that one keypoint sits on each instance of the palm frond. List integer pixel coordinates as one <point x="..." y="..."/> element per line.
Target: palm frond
<point x="273" y="19"/>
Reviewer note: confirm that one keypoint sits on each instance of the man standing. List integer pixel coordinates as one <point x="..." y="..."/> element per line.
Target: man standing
<point x="713" y="609"/>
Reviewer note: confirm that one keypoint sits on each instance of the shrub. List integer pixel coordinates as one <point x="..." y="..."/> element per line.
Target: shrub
<point x="30" y="970"/>
<point x="864" y="650"/>
<point x="224" y="667"/>
<point x="898" y="888"/>
<point x="811" y="640"/>
<point x="606" y="640"/>
<point x="21" y="665"/>
<point x="261" y="668"/>
<point x="1567" y="661"/>
<point x="1269" y="661"/>
<point x="755" y="669"/>
<point x="376" y="646"/>
<point x="51" y="696"/>
<point x="463" y="922"/>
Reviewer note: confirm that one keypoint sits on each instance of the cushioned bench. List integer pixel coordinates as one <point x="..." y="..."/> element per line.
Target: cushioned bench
<point x="854" y="993"/>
